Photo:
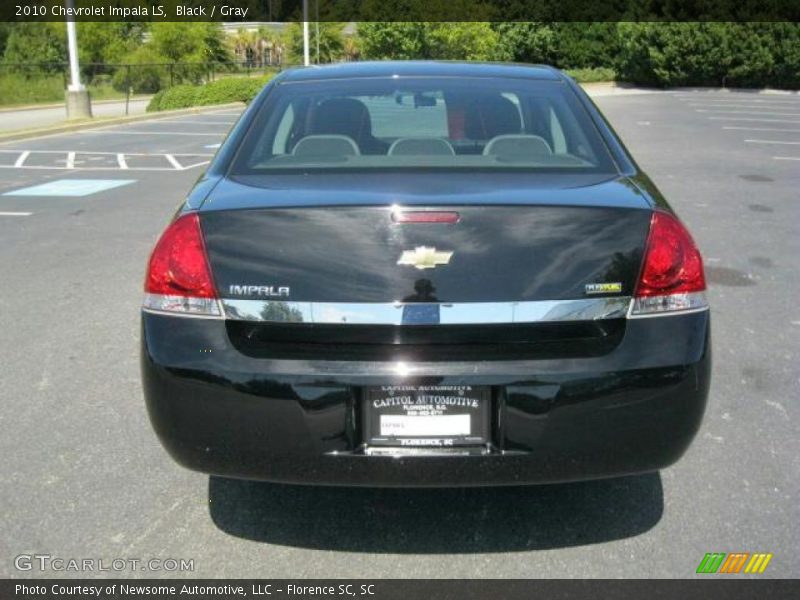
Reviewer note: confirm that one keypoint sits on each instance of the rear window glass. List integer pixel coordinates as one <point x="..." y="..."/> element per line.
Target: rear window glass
<point x="424" y="123"/>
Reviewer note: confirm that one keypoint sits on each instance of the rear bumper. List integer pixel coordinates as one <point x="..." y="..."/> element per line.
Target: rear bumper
<point x="633" y="410"/>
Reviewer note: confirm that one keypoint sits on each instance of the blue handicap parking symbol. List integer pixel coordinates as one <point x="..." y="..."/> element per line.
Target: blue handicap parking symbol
<point x="70" y="187"/>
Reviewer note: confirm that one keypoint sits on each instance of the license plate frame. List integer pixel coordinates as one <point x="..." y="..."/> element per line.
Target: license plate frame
<point x="426" y="416"/>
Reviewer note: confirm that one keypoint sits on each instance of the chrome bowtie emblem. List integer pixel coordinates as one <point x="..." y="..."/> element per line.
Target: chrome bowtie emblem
<point x="423" y="257"/>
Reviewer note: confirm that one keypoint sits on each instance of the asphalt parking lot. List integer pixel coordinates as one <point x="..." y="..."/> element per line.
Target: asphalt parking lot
<point x="84" y="476"/>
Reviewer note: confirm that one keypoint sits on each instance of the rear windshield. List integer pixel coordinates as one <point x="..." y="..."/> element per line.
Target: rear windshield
<point x="422" y="123"/>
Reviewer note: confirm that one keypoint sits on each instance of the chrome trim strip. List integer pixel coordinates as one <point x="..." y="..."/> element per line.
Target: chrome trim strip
<point x="181" y="315"/>
<point x="397" y="313"/>
<point x="670" y="313"/>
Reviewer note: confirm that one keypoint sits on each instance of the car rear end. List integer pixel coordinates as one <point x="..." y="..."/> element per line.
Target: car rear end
<point x="418" y="317"/>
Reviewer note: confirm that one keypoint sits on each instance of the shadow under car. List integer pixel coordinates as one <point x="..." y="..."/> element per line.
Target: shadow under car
<point x="452" y="520"/>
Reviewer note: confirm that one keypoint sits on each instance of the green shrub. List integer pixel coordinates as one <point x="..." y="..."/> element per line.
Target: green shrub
<point x="230" y="89"/>
<point x="178" y="96"/>
<point x="222" y="91"/>
<point x="575" y="45"/>
<point x="155" y="102"/>
<point x="786" y="55"/>
<point x="430" y="40"/>
<point x="144" y="76"/>
<point x="710" y="54"/>
<point x="592" y="75"/>
<point x="16" y="88"/>
<point x="36" y="43"/>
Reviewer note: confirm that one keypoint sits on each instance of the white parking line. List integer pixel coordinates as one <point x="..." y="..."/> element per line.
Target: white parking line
<point x="15" y="214"/>
<point x="784" y="98"/>
<point x="170" y="169"/>
<point x="752" y="120"/>
<point x="721" y="105"/>
<point x="21" y="160"/>
<point x="174" y="162"/>
<point x="749" y="112"/>
<point x="772" y="142"/>
<point x="745" y="101"/>
<point x="192" y="166"/>
<point x="197" y="122"/>
<point x="786" y="157"/>
<point x="191" y="133"/>
<point x="103" y="152"/>
<point x="733" y="127"/>
<point x="70" y="163"/>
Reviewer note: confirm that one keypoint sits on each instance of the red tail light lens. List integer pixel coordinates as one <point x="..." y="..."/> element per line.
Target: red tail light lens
<point x="672" y="276"/>
<point x="672" y="263"/>
<point x="178" y="265"/>
<point x="178" y="276"/>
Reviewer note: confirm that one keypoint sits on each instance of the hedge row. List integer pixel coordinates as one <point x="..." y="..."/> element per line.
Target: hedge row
<point x="222" y="91"/>
<point x="714" y="54"/>
<point x="664" y="54"/>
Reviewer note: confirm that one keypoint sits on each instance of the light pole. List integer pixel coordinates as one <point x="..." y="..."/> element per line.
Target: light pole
<point x="306" y="58"/>
<point x="77" y="96"/>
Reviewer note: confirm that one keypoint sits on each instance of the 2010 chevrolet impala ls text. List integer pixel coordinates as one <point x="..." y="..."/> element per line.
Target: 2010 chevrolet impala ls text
<point x="425" y="274"/>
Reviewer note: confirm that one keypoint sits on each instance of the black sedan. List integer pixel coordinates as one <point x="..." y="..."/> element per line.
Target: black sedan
<point x="425" y="274"/>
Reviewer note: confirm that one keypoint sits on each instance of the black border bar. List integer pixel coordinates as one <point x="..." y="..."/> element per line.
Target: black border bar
<point x="708" y="588"/>
<point x="405" y="10"/>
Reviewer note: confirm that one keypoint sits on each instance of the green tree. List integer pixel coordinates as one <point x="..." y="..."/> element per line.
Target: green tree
<point x="429" y="40"/>
<point x="5" y="29"/>
<point x="691" y="53"/>
<point x="36" y="43"/>
<point x="402" y="40"/>
<point x="531" y="42"/>
<point x="579" y="45"/>
<point x="146" y="74"/>
<point x="190" y="42"/>
<point x="786" y="40"/>
<point x="107" y="42"/>
<point x="190" y="47"/>
<point x="575" y="45"/>
<point x="465" y="41"/>
<point x="331" y="42"/>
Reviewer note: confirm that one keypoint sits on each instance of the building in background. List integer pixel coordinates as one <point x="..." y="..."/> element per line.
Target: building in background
<point x="256" y="44"/>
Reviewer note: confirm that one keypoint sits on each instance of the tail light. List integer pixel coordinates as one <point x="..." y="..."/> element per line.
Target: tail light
<point x="178" y="276"/>
<point x="672" y="277"/>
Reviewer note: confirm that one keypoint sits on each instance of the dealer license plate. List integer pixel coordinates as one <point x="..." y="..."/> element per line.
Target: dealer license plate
<point x="427" y="416"/>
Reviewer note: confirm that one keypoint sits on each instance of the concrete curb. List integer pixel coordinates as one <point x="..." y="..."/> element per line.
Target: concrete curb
<point x="51" y="106"/>
<point x="25" y="134"/>
<point x="612" y="88"/>
<point x="604" y="88"/>
<point x="754" y="91"/>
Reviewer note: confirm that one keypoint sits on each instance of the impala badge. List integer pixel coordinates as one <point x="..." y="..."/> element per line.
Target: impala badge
<point x="604" y="288"/>
<point x="423" y="257"/>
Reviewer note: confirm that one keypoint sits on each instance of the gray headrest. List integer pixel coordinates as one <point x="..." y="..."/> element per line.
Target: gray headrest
<point x="518" y="146"/>
<point x="326" y="145"/>
<point x="421" y="146"/>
